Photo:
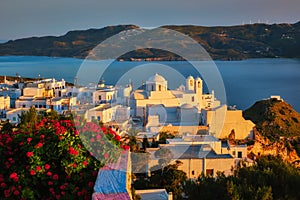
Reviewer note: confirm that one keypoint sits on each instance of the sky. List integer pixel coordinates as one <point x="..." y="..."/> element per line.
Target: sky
<point x="19" y="18"/>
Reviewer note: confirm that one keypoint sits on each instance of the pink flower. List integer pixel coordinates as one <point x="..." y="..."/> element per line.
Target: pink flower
<point x="90" y="184"/>
<point x="29" y="140"/>
<point x="38" y="145"/>
<point x="55" y="177"/>
<point x="62" y="187"/>
<point x="50" y="183"/>
<point x="117" y="137"/>
<point x="29" y="154"/>
<point x="47" y="166"/>
<point x="38" y="168"/>
<point x="3" y="185"/>
<point x="16" y="192"/>
<point x="32" y="172"/>
<point x="49" y="173"/>
<point x="106" y="155"/>
<point x="85" y="163"/>
<point x="13" y="175"/>
<point x="72" y="151"/>
<point x="92" y="140"/>
<point x="98" y="136"/>
<point x="74" y="165"/>
<point x="6" y="193"/>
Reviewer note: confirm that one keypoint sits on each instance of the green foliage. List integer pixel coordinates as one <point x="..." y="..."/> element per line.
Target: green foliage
<point x="207" y="187"/>
<point x="274" y="119"/>
<point x="45" y="158"/>
<point x="163" y="136"/>
<point x="132" y="141"/>
<point x="168" y="177"/>
<point x="145" y="143"/>
<point x="269" y="178"/>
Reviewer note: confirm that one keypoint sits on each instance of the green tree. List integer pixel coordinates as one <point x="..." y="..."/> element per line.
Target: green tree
<point x="163" y="136"/>
<point x="28" y="119"/>
<point x="131" y="140"/>
<point x="170" y="178"/>
<point x="145" y="143"/>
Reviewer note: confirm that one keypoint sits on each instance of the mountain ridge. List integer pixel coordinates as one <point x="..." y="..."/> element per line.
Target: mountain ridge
<point x="221" y="42"/>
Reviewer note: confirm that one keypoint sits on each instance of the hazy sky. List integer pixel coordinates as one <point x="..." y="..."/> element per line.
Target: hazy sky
<point x="24" y="18"/>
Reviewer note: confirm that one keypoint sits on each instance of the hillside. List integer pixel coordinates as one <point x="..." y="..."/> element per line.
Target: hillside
<point x="277" y="129"/>
<point x="222" y="43"/>
<point x="73" y="44"/>
<point x="274" y="119"/>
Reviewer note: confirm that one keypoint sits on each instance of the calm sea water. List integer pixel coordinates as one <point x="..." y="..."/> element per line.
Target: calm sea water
<point x="245" y="81"/>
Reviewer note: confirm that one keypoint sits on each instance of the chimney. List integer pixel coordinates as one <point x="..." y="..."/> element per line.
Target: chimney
<point x="170" y="196"/>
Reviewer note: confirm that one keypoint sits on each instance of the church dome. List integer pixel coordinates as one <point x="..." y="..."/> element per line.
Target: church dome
<point x="157" y="78"/>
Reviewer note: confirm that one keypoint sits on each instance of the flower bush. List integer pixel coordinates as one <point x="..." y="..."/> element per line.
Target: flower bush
<point x="51" y="158"/>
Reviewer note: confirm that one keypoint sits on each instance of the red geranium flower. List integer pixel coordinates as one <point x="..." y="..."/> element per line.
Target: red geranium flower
<point x="85" y="163"/>
<point x="55" y="177"/>
<point x="47" y="166"/>
<point x="29" y="154"/>
<point x="29" y="140"/>
<point x="38" y="145"/>
<point x="13" y="175"/>
<point x="32" y="172"/>
<point x="16" y="192"/>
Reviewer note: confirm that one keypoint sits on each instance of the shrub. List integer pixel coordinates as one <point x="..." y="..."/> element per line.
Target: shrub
<point x="48" y="159"/>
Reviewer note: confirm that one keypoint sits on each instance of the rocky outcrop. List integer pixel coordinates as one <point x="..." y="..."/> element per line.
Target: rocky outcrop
<point x="262" y="146"/>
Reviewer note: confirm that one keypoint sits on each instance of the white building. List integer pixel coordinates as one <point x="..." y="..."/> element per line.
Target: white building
<point x="4" y="102"/>
<point x="14" y="115"/>
<point x="107" y="113"/>
<point x="222" y="122"/>
<point x="171" y="105"/>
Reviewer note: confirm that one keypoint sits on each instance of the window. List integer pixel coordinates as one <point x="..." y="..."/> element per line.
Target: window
<point x="240" y="154"/>
<point x="199" y="84"/>
<point x="14" y="119"/>
<point x="193" y="172"/>
<point x="210" y="172"/>
<point x="159" y="87"/>
<point x="233" y="153"/>
<point x="100" y="98"/>
<point x="191" y="83"/>
<point x="193" y="98"/>
<point x="152" y="87"/>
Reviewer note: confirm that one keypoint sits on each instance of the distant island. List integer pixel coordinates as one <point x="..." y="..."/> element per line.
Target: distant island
<point x="222" y="42"/>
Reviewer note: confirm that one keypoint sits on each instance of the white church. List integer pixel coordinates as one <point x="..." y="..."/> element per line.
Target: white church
<point x="155" y="103"/>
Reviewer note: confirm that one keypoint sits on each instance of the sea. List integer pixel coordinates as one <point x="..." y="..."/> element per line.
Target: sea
<point x="244" y="82"/>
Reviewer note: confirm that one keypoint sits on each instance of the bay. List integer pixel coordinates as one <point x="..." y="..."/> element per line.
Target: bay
<point x="245" y="81"/>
